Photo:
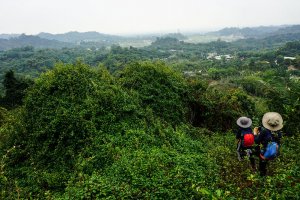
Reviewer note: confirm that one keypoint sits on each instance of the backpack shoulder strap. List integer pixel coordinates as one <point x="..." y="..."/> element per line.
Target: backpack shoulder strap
<point x="246" y="130"/>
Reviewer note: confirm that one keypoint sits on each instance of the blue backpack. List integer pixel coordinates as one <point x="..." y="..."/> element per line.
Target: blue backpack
<point x="271" y="151"/>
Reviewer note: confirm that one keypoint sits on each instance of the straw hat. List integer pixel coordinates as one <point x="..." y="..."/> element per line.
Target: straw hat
<point x="272" y="121"/>
<point x="244" y="122"/>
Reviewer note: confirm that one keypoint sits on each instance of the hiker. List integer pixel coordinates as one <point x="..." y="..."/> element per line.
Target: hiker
<point x="268" y="138"/>
<point x="245" y="138"/>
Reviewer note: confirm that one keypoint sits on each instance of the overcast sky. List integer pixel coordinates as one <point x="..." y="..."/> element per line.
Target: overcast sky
<point x="142" y="16"/>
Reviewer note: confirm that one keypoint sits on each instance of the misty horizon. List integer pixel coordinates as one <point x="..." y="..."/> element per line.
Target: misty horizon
<point x="187" y="32"/>
<point x="135" y="17"/>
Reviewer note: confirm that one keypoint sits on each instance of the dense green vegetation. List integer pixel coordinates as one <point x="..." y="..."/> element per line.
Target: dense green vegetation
<point x="145" y="123"/>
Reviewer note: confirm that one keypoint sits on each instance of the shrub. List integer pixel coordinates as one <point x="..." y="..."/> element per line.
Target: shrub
<point x="63" y="112"/>
<point x="159" y="88"/>
<point x="217" y="109"/>
<point x="149" y="165"/>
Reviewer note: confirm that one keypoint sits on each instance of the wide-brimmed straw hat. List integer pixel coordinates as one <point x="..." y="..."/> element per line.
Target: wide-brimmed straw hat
<point x="244" y="122"/>
<point x="272" y="121"/>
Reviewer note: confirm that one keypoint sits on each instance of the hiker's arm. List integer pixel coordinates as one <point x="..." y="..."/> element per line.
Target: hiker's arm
<point x="258" y="137"/>
<point x="238" y="134"/>
<point x="278" y="137"/>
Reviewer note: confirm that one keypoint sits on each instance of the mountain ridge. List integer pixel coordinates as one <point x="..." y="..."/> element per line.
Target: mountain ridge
<point x="257" y="32"/>
<point x="93" y="39"/>
<point x="31" y="40"/>
<point x="75" y="36"/>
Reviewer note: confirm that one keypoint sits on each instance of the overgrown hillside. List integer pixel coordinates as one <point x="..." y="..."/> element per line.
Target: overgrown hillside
<point x="156" y="122"/>
<point x="143" y="132"/>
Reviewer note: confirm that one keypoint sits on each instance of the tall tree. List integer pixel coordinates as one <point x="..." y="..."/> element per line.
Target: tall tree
<point x="14" y="90"/>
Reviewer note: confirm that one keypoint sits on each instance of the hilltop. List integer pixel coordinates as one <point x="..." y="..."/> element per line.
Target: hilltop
<point x="31" y="40"/>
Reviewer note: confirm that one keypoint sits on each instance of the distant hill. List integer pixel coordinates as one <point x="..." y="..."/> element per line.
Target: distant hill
<point x="265" y="36"/>
<point x="8" y="36"/>
<point x="282" y="38"/>
<point x="177" y="36"/>
<point x="29" y="40"/>
<point x="257" y="32"/>
<point x="249" y="32"/>
<point x="70" y="39"/>
<point x="77" y="37"/>
<point x="287" y="30"/>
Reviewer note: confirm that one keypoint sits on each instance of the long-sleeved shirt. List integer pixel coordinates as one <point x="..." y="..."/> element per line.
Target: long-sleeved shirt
<point x="267" y="136"/>
<point x="240" y="131"/>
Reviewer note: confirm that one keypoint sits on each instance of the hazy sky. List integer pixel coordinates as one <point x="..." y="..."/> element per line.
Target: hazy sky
<point x="139" y="16"/>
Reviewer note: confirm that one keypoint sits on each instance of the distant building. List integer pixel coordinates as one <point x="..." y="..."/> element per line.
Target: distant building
<point x="214" y="55"/>
<point x="228" y="57"/>
<point x="218" y="57"/>
<point x="189" y="73"/>
<point x="211" y="55"/>
<point x="289" y="58"/>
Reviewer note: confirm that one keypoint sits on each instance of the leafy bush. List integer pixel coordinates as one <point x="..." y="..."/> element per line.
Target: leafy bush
<point x="149" y="166"/>
<point x="63" y="112"/>
<point x="15" y="89"/>
<point x="217" y="109"/>
<point x="3" y="114"/>
<point x="159" y="88"/>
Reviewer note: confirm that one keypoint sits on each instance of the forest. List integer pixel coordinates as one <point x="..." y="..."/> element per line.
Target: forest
<point x="154" y="122"/>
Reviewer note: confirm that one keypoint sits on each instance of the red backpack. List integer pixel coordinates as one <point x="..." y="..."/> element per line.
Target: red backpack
<point x="247" y="139"/>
